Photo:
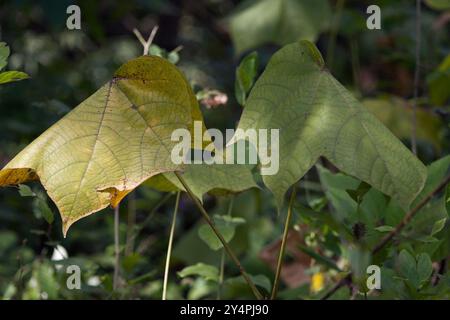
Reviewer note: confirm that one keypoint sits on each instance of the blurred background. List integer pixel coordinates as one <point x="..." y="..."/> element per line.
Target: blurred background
<point x="207" y="39"/>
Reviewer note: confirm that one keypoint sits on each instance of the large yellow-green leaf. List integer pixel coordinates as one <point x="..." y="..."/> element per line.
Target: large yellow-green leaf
<point x="259" y="22"/>
<point x="317" y="117"/>
<point x="110" y="143"/>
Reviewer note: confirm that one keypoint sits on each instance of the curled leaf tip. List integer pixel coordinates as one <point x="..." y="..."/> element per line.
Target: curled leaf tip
<point x="313" y="52"/>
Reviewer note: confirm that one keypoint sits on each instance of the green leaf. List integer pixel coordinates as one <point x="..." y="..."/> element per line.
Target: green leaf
<point x="407" y="267"/>
<point x="245" y="76"/>
<point x="205" y="271"/>
<point x="41" y="209"/>
<point x="11" y="76"/>
<point x="415" y="272"/>
<point x="320" y="259"/>
<point x="359" y="193"/>
<point x="438" y="226"/>
<point x="359" y="260"/>
<point x="424" y="267"/>
<point x="317" y="117"/>
<point x="203" y="178"/>
<point x="385" y="228"/>
<point x="436" y="172"/>
<point x="259" y="280"/>
<point x="226" y="226"/>
<point x="4" y="54"/>
<point x="112" y="142"/>
<point x="259" y="22"/>
<point x="439" y="82"/>
<point x="25" y="191"/>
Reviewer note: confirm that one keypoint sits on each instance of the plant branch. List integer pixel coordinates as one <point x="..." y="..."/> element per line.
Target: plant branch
<point x="169" y="246"/>
<point x="283" y="246"/>
<point x="116" y="248"/>
<point x="392" y="234"/>
<point x="233" y="257"/>
<point x="416" y="79"/>
<point x="407" y="218"/>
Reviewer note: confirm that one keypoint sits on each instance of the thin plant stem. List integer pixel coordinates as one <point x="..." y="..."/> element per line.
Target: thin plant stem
<point x="287" y="223"/>
<point x="169" y="246"/>
<point x="222" y="258"/>
<point x="416" y="79"/>
<point x="131" y="223"/>
<point x="230" y="252"/>
<point x="221" y="274"/>
<point x="116" y="248"/>
<point x="355" y="63"/>
<point x="333" y="34"/>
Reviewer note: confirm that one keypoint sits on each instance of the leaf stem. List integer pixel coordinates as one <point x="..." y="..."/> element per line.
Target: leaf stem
<point x="169" y="246"/>
<point x="416" y="79"/>
<point x="222" y="259"/>
<point x="116" y="248"/>
<point x="221" y="274"/>
<point x="333" y="34"/>
<point x="131" y="224"/>
<point x="283" y="246"/>
<point x="230" y="252"/>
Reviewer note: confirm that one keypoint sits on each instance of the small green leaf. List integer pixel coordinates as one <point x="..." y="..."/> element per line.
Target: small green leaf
<point x="407" y="268"/>
<point x="438" y="226"/>
<point x="424" y="267"/>
<point x="259" y="280"/>
<point x="4" y="54"/>
<point x="436" y="172"/>
<point x="427" y="239"/>
<point x="359" y="260"/>
<point x="205" y="271"/>
<point x="320" y="259"/>
<point x="245" y="76"/>
<point x="41" y="209"/>
<point x="226" y="226"/>
<point x="25" y="191"/>
<point x="11" y="76"/>
<point x="359" y="193"/>
<point x="385" y="228"/>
